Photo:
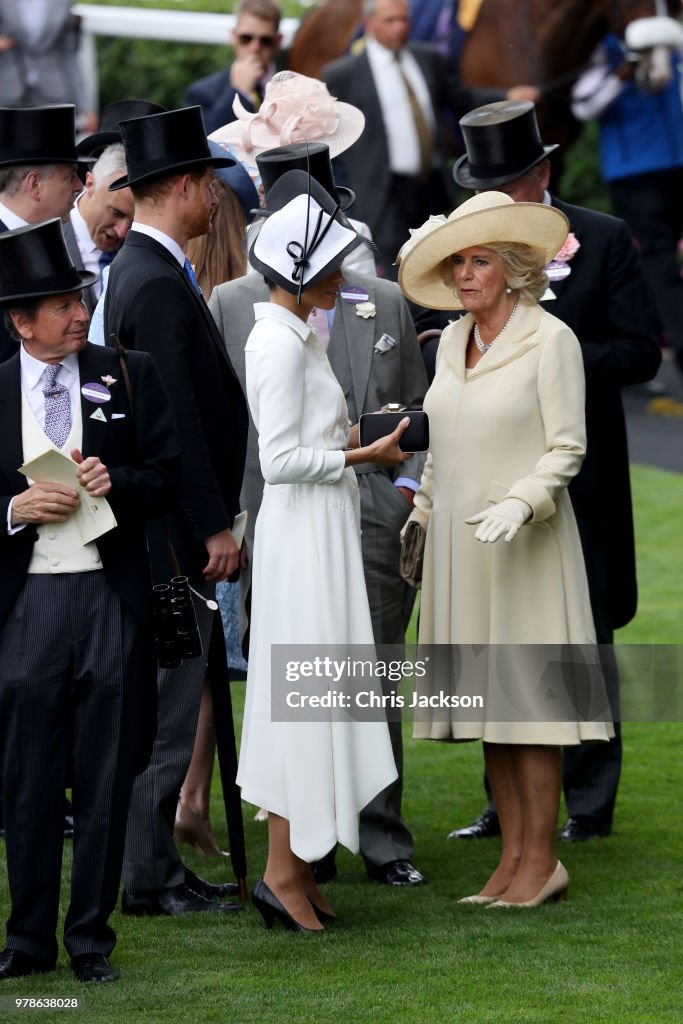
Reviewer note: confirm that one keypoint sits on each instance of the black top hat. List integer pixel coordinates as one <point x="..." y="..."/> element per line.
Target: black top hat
<point x="38" y="135"/>
<point x="502" y="142"/>
<point x="35" y="263"/>
<point x="159" y="145"/>
<point x="112" y="115"/>
<point x="305" y="236"/>
<point x="301" y="156"/>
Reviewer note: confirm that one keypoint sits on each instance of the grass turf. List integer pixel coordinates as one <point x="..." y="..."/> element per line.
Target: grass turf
<point x="611" y="952"/>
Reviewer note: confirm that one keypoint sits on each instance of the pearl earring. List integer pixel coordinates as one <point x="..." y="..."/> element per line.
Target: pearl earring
<point x="509" y="290"/>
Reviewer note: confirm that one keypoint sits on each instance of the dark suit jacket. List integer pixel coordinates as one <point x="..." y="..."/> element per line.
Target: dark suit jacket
<point x="605" y="302"/>
<point x="141" y="452"/>
<point x="8" y="345"/>
<point x="151" y="305"/>
<point x="365" y="166"/>
<point x="215" y="96"/>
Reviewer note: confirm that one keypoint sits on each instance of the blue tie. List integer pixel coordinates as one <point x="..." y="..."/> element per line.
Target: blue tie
<point x="192" y="277"/>
<point x="103" y="261"/>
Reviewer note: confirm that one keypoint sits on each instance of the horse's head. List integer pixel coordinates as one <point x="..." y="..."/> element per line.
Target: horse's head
<point x="650" y="33"/>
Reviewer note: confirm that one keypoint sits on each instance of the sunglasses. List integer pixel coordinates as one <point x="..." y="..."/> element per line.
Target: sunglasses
<point x="247" y="37"/>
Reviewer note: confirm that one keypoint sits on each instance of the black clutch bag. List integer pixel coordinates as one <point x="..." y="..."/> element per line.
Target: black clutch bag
<point x="378" y="424"/>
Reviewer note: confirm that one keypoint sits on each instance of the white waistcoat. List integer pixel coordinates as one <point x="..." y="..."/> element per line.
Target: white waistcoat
<point x="58" y="548"/>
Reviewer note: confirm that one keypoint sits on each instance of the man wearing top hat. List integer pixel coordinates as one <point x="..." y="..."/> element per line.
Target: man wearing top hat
<point x="77" y="666"/>
<point x="99" y="221"/>
<point x="373" y="351"/>
<point x="596" y="286"/>
<point x="38" y="177"/>
<point x="153" y="304"/>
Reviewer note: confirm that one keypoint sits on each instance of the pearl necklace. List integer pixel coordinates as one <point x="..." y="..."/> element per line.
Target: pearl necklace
<point x="481" y="345"/>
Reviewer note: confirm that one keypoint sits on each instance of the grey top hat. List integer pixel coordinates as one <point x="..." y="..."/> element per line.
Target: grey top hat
<point x="502" y="142"/>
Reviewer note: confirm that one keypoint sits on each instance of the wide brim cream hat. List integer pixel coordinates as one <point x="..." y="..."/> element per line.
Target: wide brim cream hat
<point x="295" y="108"/>
<point x="425" y="274"/>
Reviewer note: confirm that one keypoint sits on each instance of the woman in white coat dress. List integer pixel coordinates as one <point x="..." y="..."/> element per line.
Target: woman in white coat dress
<point x="506" y="412"/>
<point x="308" y="586"/>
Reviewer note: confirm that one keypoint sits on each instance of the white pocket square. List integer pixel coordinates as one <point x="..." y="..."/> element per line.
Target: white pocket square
<point x="385" y="343"/>
<point x="118" y="415"/>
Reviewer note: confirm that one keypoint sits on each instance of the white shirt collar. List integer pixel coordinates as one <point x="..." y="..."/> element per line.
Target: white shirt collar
<point x="32" y="369"/>
<point x="10" y="219"/>
<point x="81" y="230"/>
<point x="381" y="53"/>
<point x="263" y="310"/>
<point x="162" y="238"/>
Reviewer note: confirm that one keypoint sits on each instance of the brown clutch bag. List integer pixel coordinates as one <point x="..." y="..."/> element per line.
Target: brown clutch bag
<point x="412" y="554"/>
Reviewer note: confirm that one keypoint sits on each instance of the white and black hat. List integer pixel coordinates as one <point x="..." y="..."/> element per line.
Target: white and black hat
<point x="304" y="237"/>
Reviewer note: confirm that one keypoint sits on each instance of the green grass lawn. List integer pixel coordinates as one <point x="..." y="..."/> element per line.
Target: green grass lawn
<point x="611" y="953"/>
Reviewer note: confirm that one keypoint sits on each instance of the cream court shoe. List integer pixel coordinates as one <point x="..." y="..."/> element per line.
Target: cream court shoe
<point x="555" y="889"/>
<point x="477" y="900"/>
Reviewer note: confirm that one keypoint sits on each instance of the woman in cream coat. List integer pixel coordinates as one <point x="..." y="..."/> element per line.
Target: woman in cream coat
<point x="506" y="412"/>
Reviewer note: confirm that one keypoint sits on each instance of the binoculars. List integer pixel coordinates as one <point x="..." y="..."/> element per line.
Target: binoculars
<point x="175" y="624"/>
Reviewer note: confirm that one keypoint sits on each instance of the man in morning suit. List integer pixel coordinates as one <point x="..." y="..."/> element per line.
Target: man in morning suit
<point x="38" y="179"/>
<point x="153" y="303"/>
<point x="598" y="289"/>
<point x="77" y="666"/>
<point x="398" y="166"/>
<point x="255" y="38"/>
<point x="100" y="220"/>
<point x="374" y="354"/>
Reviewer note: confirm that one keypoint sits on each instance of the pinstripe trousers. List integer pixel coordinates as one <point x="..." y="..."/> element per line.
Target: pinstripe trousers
<point x="70" y="713"/>
<point x="151" y="860"/>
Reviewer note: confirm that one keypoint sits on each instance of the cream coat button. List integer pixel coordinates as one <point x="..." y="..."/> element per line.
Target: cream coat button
<point x="52" y="536"/>
<point x="54" y="561"/>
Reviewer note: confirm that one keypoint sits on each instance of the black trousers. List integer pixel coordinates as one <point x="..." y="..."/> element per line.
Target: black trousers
<point x="652" y="206"/>
<point x="71" y="686"/>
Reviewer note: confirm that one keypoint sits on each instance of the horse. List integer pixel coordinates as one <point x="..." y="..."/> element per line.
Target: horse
<point x="546" y="43"/>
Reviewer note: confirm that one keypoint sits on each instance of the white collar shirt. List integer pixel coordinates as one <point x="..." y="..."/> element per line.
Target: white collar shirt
<point x="399" y="123"/>
<point x="10" y="219"/>
<point x="90" y="254"/>
<point x="32" y="381"/>
<point x="162" y="238"/>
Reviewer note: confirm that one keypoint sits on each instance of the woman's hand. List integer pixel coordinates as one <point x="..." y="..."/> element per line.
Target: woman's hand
<point x="504" y="518"/>
<point x="383" y="452"/>
<point x="353" y="440"/>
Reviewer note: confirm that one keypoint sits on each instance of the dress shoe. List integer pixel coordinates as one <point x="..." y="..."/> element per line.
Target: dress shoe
<point x="484" y="827"/>
<point x="269" y="907"/>
<point x="170" y="902"/>
<point x="477" y="900"/>
<point x="321" y="914"/>
<point x="15" y="964"/>
<point x="325" y="869"/>
<point x="209" y="891"/>
<point x="578" y="830"/>
<point x="555" y="889"/>
<point x="191" y="828"/>
<point x="398" y="872"/>
<point x="93" y="967"/>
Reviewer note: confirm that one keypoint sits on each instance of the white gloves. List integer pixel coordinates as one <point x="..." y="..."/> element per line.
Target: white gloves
<point x="504" y="518"/>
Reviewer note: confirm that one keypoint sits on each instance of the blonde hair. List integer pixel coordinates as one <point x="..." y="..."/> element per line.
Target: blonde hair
<point x="221" y="254"/>
<point x="524" y="269"/>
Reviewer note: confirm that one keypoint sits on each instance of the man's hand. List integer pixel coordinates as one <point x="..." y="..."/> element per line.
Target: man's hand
<point x="44" y="503"/>
<point x="246" y="72"/>
<point x="409" y="495"/>
<point x="223" y="556"/>
<point x="92" y="474"/>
